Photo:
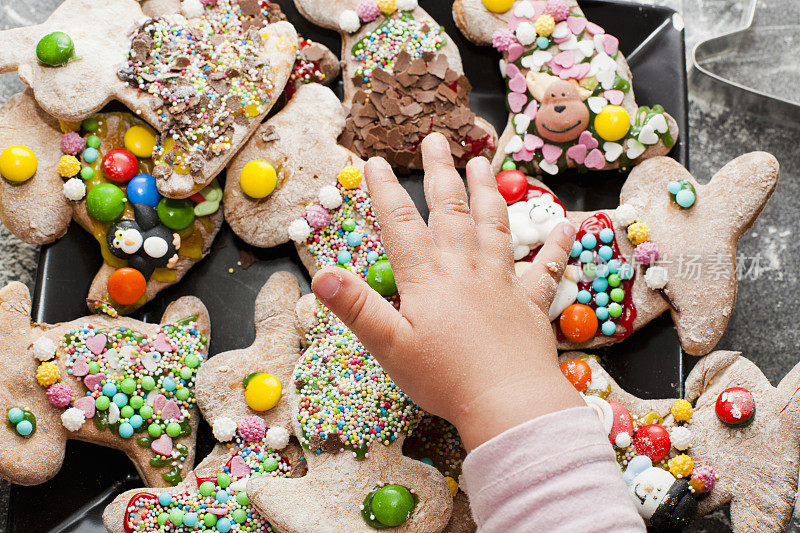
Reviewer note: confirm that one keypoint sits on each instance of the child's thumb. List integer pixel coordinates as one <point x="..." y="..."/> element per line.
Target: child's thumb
<point x="371" y="317"/>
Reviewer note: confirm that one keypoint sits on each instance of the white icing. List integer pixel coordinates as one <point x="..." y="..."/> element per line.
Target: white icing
<point x="349" y="21"/>
<point x="156" y="247"/>
<point x="625" y="215"/>
<point x="128" y="240"/>
<point x="532" y="221"/>
<point x="44" y="349"/>
<point x="656" y="277"/>
<point x="224" y="429"/>
<point x="73" y="418"/>
<point x="277" y="438"/>
<point x="299" y="230"/>
<point x="74" y="189"/>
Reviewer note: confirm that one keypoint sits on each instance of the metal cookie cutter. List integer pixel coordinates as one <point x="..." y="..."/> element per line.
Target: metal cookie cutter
<point x="717" y="60"/>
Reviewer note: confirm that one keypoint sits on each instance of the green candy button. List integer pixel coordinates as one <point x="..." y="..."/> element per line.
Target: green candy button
<point x="55" y="49"/>
<point x="381" y="278"/>
<point x="392" y="505"/>
<point x="105" y="202"/>
<point x="175" y="214"/>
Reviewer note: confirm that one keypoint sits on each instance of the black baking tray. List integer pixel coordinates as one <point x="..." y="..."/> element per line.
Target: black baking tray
<point x="649" y="363"/>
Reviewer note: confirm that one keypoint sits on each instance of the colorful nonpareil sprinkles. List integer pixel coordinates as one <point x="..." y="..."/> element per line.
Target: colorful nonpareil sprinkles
<point x="398" y="32"/>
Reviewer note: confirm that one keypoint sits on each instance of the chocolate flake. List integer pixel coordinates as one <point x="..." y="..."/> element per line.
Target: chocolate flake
<point x="247" y="259"/>
<point x="270" y="134"/>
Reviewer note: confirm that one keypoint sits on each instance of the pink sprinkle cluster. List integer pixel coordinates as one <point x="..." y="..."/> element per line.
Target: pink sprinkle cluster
<point x="646" y="253"/>
<point x="252" y="428"/>
<point x="60" y="394"/>
<point x="503" y="39"/>
<point x="368" y="10"/>
<point x="705" y="475"/>
<point x="72" y="143"/>
<point x="317" y="216"/>
<point x="559" y="9"/>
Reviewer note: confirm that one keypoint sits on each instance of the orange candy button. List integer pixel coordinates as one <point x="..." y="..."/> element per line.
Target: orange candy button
<point x="578" y="373"/>
<point x="126" y="286"/>
<point x="578" y="323"/>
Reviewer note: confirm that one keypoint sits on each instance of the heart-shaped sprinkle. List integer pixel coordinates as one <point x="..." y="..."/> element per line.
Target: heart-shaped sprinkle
<point x="586" y="47"/>
<point x="659" y="123"/>
<point x="217" y="511"/>
<point x="596" y="103"/>
<point x="593" y="28"/>
<point x="550" y="168"/>
<point x="80" y="368"/>
<point x="511" y="70"/>
<point x="516" y="101"/>
<point x="503" y="66"/>
<point x="517" y="83"/>
<point x="551" y="152"/>
<point x="523" y="155"/>
<point x="535" y="60"/>
<point x="238" y="467"/>
<point x="113" y="413"/>
<point x="635" y="149"/>
<point x="570" y="43"/>
<point x="150" y="360"/>
<point x="170" y="411"/>
<point x="162" y="445"/>
<point x="514" y="52"/>
<point x="647" y="135"/>
<point x="513" y="145"/>
<point x="588" y="140"/>
<point x="613" y="151"/>
<point x="96" y="343"/>
<point x="614" y="96"/>
<point x="555" y="70"/>
<point x="576" y="24"/>
<point x="524" y="9"/>
<point x="86" y="404"/>
<point x="521" y="122"/>
<point x="158" y="401"/>
<point x="533" y="142"/>
<point x="162" y="344"/>
<point x="577" y="153"/>
<point x="606" y="78"/>
<point x="561" y="30"/>
<point x="565" y="59"/>
<point x="595" y="160"/>
<point x="94" y="381"/>
<point x="561" y="40"/>
<point x="610" y="44"/>
<point x="531" y="109"/>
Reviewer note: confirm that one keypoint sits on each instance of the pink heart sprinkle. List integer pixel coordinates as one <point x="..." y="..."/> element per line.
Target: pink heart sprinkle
<point x="238" y="467"/>
<point x="577" y="153"/>
<point x="514" y="52"/>
<point x="555" y="70"/>
<point x="170" y="411"/>
<point x="86" y="404"/>
<point x="511" y="70"/>
<point x="158" y="402"/>
<point x="588" y="140"/>
<point x="559" y="40"/>
<point x="162" y="445"/>
<point x="583" y="70"/>
<point x="614" y="96"/>
<point x="517" y="83"/>
<point x="531" y="109"/>
<point x="80" y="367"/>
<point x="523" y="155"/>
<point x="594" y="29"/>
<point x="516" y="101"/>
<point x="610" y="44"/>
<point x="96" y="343"/>
<point x="94" y="381"/>
<point x="162" y="344"/>
<point x="576" y="24"/>
<point x="595" y="160"/>
<point x="532" y="142"/>
<point x="551" y="152"/>
<point x="565" y="59"/>
<point x="218" y="511"/>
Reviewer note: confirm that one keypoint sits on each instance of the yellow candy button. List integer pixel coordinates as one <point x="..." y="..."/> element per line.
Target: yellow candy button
<point x="498" y="6"/>
<point x="258" y="179"/>
<point x="349" y="177"/>
<point x="140" y="140"/>
<point x="263" y="392"/>
<point x="612" y="123"/>
<point x="17" y="163"/>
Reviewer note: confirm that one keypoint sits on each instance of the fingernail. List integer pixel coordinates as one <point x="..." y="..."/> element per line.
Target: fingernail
<point x="569" y="229"/>
<point x="378" y="163"/>
<point x="437" y="142"/>
<point x="327" y="285"/>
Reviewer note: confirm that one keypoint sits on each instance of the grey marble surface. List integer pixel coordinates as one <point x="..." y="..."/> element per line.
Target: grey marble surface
<point x="763" y="324"/>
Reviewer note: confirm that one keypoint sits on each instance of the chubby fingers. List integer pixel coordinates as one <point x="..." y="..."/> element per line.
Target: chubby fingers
<point x="372" y="318"/>
<point x="490" y="213"/>
<point x="449" y="221"/>
<point x="542" y="277"/>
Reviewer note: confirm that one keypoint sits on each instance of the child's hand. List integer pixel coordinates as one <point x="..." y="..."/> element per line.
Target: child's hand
<point x="472" y="342"/>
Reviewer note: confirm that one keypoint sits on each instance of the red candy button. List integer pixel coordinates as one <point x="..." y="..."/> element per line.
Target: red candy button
<point x="622" y="422"/>
<point x="653" y="441"/>
<point x="736" y="406"/>
<point x="126" y="286"/>
<point x="578" y="323"/>
<point x="578" y="373"/>
<point x="120" y="165"/>
<point x="512" y="185"/>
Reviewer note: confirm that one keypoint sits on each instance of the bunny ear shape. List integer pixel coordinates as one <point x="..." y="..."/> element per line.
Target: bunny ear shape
<point x="325" y="13"/>
<point x="185" y="308"/>
<point x="477" y="23"/>
<point x="221" y="391"/>
<point x="36" y="210"/>
<point x="706" y="371"/>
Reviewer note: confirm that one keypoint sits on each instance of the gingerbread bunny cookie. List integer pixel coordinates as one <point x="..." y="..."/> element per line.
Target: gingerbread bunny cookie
<point x="569" y="89"/>
<point x="671" y="244"/>
<point x="213" y="496"/>
<point x="204" y="81"/>
<point x="98" y="172"/>
<point x="403" y="78"/>
<point x="116" y="382"/>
